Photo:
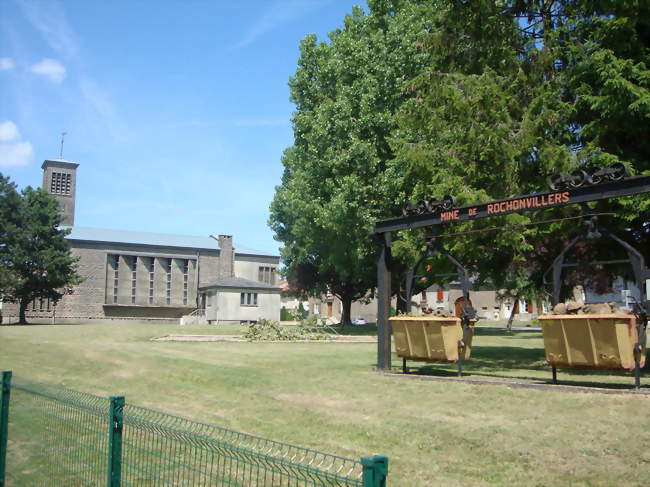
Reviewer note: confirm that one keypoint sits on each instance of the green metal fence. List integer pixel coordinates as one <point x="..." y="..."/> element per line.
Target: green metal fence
<point x="50" y="435"/>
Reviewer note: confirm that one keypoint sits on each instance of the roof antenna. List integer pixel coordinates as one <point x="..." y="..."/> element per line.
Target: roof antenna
<point x="63" y="134"/>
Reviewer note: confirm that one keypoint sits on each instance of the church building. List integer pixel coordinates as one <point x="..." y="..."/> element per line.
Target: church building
<point x="146" y="276"/>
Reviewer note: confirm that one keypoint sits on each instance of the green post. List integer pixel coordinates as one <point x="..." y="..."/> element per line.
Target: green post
<point x="115" y="427"/>
<point x="375" y="471"/>
<point x="4" y="424"/>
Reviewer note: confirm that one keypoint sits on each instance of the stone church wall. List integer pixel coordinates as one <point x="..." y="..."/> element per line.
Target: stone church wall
<point x="93" y="298"/>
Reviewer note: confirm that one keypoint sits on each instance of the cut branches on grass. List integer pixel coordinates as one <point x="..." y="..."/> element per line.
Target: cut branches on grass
<point x="269" y="330"/>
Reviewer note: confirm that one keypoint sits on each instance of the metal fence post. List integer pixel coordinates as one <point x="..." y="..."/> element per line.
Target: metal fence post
<point x="375" y="471"/>
<point x="4" y="423"/>
<point x="115" y="427"/>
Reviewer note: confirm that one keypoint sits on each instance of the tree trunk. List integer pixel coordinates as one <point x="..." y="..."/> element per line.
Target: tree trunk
<point x="347" y="306"/>
<point x="512" y="314"/>
<point x="22" y="307"/>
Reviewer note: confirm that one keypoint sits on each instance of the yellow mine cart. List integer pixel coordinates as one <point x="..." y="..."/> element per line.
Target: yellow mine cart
<point x="431" y="339"/>
<point x="592" y="341"/>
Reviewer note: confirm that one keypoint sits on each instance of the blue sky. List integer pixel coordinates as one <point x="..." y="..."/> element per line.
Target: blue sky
<point x="177" y="110"/>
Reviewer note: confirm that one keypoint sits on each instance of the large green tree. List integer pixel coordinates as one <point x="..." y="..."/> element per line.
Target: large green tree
<point x="340" y="175"/>
<point x="518" y="91"/>
<point x="480" y="99"/>
<point x="35" y="259"/>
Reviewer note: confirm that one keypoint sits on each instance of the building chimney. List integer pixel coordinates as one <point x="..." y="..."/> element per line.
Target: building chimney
<point x="226" y="257"/>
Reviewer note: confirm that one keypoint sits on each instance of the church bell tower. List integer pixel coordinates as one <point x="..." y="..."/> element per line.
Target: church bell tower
<point x="60" y="180"/>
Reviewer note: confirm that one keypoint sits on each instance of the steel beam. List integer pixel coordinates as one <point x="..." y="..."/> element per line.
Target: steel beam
<point x="383" y="303"/>
<point x="531" y="202"/>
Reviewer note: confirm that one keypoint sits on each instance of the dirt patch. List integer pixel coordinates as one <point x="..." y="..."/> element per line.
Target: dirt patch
<point x="237" y="338"/>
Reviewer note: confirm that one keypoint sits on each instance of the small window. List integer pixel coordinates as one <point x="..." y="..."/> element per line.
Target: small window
<point x="248" y="299"/>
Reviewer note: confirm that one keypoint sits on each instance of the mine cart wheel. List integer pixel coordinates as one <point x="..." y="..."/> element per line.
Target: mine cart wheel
<point x="578" y="178"/>
<point x="618" y="171"/>
<point x="448" y="202"/>
<point x="596" y="176"/>
<point x="556" y="182"/>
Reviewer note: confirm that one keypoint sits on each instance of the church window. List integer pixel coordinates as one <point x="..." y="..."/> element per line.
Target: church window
<point x="151" y="276"/>
<point x="115" y="260"/>
<point x="134" y="275"/>
<point x="267" y="275"/>
<point x="61" y="183"/>
<point x="169" y="281"/>
<point x="43" y="305"/>
<point x="186" y="268"/>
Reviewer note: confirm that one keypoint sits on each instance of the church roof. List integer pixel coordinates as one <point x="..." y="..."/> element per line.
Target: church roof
<point x="241" y="283"/>
<point x="151" y="238"/>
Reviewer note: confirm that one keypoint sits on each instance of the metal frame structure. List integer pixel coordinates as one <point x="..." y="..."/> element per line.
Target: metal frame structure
<point x="536" y="201"/>
<point x="635" y="259"/>
<point x="468" y="313"/>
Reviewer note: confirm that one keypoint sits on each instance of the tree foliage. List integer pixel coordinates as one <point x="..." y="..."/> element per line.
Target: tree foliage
<point x="35" y="259"/>
<point x="518" y="91"/>
<point x="480" y="99"/>
<point x="339" y="175"/>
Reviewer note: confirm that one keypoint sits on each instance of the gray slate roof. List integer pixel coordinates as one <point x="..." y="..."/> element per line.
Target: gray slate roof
<point x="149" y="238"/>
<point x="142" y="238"/>
<point x="241" y="283"/>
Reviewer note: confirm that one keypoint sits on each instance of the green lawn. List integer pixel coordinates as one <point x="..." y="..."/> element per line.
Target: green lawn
<point x="326" y="396"/>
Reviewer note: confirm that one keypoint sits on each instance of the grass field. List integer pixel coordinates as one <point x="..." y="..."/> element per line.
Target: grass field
<point x="326" y="396"/>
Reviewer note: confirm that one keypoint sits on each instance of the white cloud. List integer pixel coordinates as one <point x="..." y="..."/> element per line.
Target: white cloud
<point x="101" y="109"/>
<point x="49" y="18"/>
<point x="263" y="122"/>
<point x="97" y="98"/>
<point x="16" y="154"/>
<point x="51" y="69"/>
<point x="8" y="131"/>
<point x="13" y="151"/>
<point x="276" y="15"/>
<point x="6" y="63"/>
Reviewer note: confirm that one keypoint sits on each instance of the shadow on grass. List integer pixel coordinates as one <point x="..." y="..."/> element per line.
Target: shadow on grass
<point x="518" y="334"/>
<point x="565" y="377"/>
<point x="499" y="362"/>
<point x="352" y="330"/>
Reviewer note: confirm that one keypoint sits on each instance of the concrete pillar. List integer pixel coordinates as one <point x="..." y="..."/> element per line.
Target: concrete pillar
<point x="160" y="281"/>
<point x="142" y="283"/>
<point x="124" y="281"/>
<point x="383" y="303"/>
<point x="177" y="282"/>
